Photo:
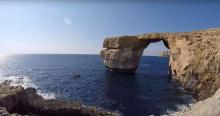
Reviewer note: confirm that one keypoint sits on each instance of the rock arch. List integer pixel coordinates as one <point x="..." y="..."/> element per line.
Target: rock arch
<point x="194" y="57"/>
<point x="123" y="53"/>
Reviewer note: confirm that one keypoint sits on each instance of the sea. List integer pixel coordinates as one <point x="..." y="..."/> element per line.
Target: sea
<point x="84" y="78"/>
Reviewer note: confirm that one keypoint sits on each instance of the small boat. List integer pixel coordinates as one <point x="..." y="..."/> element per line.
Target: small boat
<point x="76" y="75"/>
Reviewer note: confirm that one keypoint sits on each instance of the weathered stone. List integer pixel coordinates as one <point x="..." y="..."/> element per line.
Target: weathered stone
<point x="194" y="57"/>
<point x="11" y="96"/>
<point x="122" y="53"/>
<point x="4" y="112"/>
<point x="17" y="101"/>
<point x="207" y="107"/>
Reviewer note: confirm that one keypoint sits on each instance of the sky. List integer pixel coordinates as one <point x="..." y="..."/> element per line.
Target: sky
<point x="80" y="27"/>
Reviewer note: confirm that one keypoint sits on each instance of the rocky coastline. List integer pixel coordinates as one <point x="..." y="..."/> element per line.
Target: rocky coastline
<point x="207" y="107"/>
<point x="17" y="101"/>
<point x="194" y="62"/>
<point x="194" y="57"/>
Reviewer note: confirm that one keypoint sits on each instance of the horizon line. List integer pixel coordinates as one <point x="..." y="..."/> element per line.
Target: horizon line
<point x="59" y="54"/>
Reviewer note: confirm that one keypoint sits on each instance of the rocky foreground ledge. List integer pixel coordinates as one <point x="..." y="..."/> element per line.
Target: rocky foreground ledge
<point x="17" y="101"/>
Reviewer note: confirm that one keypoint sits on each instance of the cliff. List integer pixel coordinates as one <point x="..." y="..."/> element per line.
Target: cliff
<point x="194" y="57"/>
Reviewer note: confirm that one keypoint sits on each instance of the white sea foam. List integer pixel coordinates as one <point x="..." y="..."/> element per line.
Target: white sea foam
<point x="26" y="82"/>
<point x="180" y="109"/>
<point x="189" y="100"/>
<point x="47" y="95"/>
<point x="22" y="80"/>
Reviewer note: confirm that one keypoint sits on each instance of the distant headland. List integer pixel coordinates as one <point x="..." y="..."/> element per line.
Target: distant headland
<point x="164" y="54"/>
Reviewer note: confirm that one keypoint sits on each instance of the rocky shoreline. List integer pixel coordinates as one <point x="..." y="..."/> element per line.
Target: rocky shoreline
<point x="17" y="101"/>
<point x="194" y="63"/>
<point x="207" y="107"/>
<point x="194" y="57"/>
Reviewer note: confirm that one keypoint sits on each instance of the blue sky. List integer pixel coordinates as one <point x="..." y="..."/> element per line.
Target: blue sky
<point x="80" y="27"/>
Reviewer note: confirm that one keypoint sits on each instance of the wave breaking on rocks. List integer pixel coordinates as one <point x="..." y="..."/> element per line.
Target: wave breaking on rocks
<point x="18" y="101"/>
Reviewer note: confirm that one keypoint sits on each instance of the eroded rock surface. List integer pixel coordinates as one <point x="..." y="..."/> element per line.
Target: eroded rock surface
<point x="207" y="107"/>
<point x="123" y="53"/>
<point x="17" y="101"/>
<point x="194" y="57"/>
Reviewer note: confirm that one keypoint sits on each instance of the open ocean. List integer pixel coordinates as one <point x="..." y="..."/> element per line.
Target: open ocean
<point x="150" y="91"/>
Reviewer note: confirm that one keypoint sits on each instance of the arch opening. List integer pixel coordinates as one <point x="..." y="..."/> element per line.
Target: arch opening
<point x="155" y="57"/>
<point x="156" y="48"/>
<point x="122" y="54"/>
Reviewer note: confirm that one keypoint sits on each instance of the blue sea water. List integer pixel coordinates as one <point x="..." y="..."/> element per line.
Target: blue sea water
<point x="149" y="91"/>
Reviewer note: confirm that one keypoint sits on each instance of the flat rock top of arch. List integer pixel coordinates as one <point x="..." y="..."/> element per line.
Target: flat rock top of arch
<point x="142" y="40"/>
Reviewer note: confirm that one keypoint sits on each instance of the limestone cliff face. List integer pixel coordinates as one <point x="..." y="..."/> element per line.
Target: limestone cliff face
<point x="194" y="57"/>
